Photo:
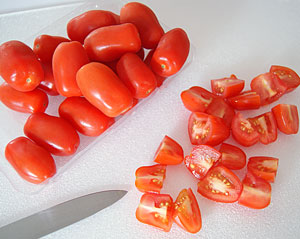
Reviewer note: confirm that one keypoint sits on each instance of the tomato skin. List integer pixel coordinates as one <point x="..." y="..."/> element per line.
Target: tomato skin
<point x="53" y="133"/>
<point x="109" y="43"/>
<point x="103" y="89"/>
<point x="156" y="210"/>
<point x="84" y="117"/>
<point x="48" y="84"/>
<point x="32" y="162"/>
<point x="136" y="75"/>
<point x="45" y="45"/>
<point x="227" y="87"/>
<point x="67" y="60"/>
<point x="232" y="157"/>
<point x="169" y="152"/>
<point x="247" y="100"/>
<point x="170" y="53"/>
<point x="19" y="66"/>
<point x="146" y="22"/>
<point x="80" y="26"/>
<point x="25" y="102"/>
<point x="287" y="118"/>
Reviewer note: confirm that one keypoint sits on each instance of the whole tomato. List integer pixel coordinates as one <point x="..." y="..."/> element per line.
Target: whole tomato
<point x="146" y="22"/>
<point x="109" y="43"/>
<point x="67" y="60"/>
<point x="32" y="162"/>
<point x="19" y="66"/>
<point x="53" y="133"/>
<point x="26" y="102"/>
<point x="103" y="89"/>
<point x="171" y="53"/>
<point x="48" y="84"/>
<point x="84" y="117"/>
<point x="80" y="26"/>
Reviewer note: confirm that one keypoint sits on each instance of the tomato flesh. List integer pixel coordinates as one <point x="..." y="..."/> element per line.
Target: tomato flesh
<point x="287" y="118"/>
<point x="227" y="87"/>
<point x="232" y="157"/>
<point x="247" y="100"/>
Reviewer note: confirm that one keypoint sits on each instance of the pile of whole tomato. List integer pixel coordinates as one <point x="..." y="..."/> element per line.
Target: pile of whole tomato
<point x="100" y="70"/>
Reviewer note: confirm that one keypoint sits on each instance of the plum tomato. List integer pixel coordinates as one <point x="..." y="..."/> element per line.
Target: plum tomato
<point x="52" y="133"/>
<point x="247" y="100"/>
<point x="227" y="87"/>
<point x="32" y="162"/>
<point x="26" y="102"/>
<point x="84" y="117"/>
<point x="232" y="157"/>
<point x="103" y="89"/>
<point x="150" y="178"/>
<point x="169" y="152"/>
<point x="48" y="84"/>
<point x="19" y="66"/>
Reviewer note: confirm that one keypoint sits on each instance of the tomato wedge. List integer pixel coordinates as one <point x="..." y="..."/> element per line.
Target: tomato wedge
<point x="287" y="118"/>
<point x="256" y="192"/>
<point x="220" y="185"/>
<point x="247" y="100"/>
<point x="232" y="156"/>
<point x="207" y="129"/>
<point x="150" y="178"/>
<point x="186" y="209"/>
<point x="227" y="87"/>
<point x="263" y="167"/>
<point x="169" y="152"/>
<point x="201" y="159"/>
<point x="156" y="210"/>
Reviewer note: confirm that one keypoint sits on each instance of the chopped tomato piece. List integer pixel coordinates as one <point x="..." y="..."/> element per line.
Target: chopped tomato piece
<point x="186" y="209"/>
<point x="220" y="185"/>
<point x="287" y="118"/>
<point x="201" y="159"/>
<point x="247" y="100"/>
<point x="232" y="156"/>
<point x="169" y="152"/>
<point x="156" y="210"/>
<point x="150" y="178"/>
<point x="227" y="87"/>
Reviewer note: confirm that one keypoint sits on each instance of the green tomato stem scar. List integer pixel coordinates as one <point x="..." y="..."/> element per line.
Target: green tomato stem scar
<point x="28" y="80"/>
<point x="163" y="66"/>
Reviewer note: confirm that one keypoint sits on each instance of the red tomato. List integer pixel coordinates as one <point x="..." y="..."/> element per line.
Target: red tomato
<point x="135" y="102"/>
<point x="150" y="178"/>
<point x="103" y="89"/>
<point x="45" y="45"/>
<point x="187" y="211"/>
<point x="263" y="167"/>
<point x="48" y="84"/>
<point x="242" y="131"/>
<point x="26" y="102"/>
<point x="84" y="117"/>
<point x="52" y="133"/>
<point x="201" y="159"/>
<point x="220" y="185"/>
<point x="146" y="22"/>
<point x="80" y="26"/>
<point x="287" y="118"/>
<point x="141" y="53"/>
<point x="156" y="210"/>
<point x="232" y="157"/>
<point x="196" y="99"/>
<point x="32" y="162"/>
<point x="169" y="152"/>
<point x="67" y="60"/>
<point x="266" y="126"/>
<point x="207" y="129"/>
<point x="288" y="77"/>
<point x="19" y="66"/>
<point x="256" y="192"/>
<point x="109" y="43"/>
<point x="136" y="75"/>
<point x="227" y="87"/>
<point x="247" y="100"/>
<point x="171" y="53"/>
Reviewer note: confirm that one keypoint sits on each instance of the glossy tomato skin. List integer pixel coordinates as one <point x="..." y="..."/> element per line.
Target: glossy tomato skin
<point x="25" y="102"/>
<point x="170" y="53"/>
<point x="32" y="162"/>
<point x="287" y="118"/>
<point x="109" y="43"/>
<point x="247" y="100"/>
<point x="232" y="157"/>
<point x="19" y="66"/>
<point x="103" y="89"/>
<point x="227" y="87"/>
<point x="80" y="26"/>
<point x="68" y="58"/>
<point x="53" y="133"/>
<point x="45" y="45"/>
<point x="48" y="84"/>
<point x="146" y="22"/>
<point x="84" y="117"/>
<point x="136" y="75"/>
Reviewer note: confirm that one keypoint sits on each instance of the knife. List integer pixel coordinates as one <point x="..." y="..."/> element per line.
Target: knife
<point x="61" y="215"/>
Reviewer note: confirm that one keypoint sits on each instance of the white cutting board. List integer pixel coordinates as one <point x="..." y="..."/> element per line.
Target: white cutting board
<point x="228" y="37"/>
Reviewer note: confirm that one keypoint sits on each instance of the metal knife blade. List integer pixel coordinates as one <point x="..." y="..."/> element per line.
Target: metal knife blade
<point x="61" y="215"/>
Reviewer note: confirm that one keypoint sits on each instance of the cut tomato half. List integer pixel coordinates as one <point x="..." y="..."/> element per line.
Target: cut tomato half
<point x="227" y="87"/>
<point x="247" y="100"/>
<point x="232" y="156"/>
<point x="287" y="118"/>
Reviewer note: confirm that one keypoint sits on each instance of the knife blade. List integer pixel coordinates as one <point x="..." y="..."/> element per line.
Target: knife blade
<point x="61" y="215"/>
